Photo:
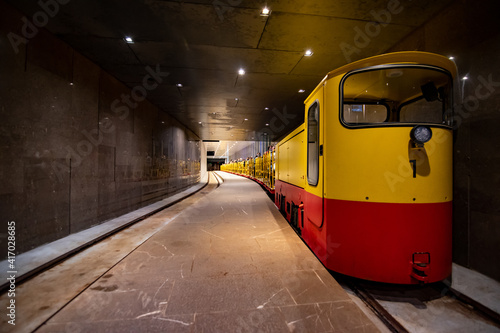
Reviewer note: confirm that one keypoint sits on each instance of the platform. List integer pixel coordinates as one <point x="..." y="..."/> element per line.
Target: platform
<point x="225" y="262"/>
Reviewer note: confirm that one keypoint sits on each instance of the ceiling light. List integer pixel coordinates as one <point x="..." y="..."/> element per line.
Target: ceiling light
<point x="267" y="109"/>
<point x="301" y="91"/>
<point x="465" y="78"/>
<point x="241" y="71"/>
<point x="267" y="124"/>
<point x="451" y="58"/>
<point x="265" y="11"/>
<point x="129" y="40"/>
<point x="308" y="53"/>
<point x="179" y="85"/>
<point x="246" y="119"/>
<point x="236" y="99"/>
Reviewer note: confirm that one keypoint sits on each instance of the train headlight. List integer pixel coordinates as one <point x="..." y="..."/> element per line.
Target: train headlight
<point x="420" y="134"/>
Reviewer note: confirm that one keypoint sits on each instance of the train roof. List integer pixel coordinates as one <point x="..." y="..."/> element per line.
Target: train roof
<point x="406" y="57"/>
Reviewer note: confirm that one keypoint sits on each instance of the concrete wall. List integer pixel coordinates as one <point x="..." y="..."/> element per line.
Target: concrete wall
<point x="470" y="31"/>
<point x="72" y="153"/>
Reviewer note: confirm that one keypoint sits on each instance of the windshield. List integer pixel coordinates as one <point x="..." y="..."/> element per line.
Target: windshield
<point x="397" y="95"/>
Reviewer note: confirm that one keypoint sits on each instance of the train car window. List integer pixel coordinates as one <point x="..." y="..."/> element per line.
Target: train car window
<point x="313" y="144"/>
<point x="397" y="94"/>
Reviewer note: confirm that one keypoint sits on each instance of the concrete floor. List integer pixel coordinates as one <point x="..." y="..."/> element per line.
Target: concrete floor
<point x="477" y="286"/>
<point x="227" y="262"/>
<point x="31" y="261"/>
<point x="221" y="260"/>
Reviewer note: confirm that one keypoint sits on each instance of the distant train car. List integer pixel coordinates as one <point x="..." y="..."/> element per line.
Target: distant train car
<point x="260" y="169"/>
<point x="367" y="179"/>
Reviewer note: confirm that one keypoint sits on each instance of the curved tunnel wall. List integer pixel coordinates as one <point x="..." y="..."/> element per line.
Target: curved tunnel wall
<point x="78" y="147"/>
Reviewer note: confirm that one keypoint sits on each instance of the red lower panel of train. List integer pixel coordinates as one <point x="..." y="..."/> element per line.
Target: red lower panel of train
<point x="385" y="242"/>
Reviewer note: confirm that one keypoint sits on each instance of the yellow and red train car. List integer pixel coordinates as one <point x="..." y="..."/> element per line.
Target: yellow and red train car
<point x="367" y="178"/>
<point x="260" y="169"/>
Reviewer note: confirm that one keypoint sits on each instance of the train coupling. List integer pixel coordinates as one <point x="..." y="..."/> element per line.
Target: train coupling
<point x="420" y="265"/>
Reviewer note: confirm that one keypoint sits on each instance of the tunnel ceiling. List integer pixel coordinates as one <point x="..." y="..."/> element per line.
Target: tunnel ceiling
<point x="202" y="45"/>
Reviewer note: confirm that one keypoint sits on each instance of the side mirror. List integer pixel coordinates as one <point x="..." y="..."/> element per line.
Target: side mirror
<point x="430" y="92"/>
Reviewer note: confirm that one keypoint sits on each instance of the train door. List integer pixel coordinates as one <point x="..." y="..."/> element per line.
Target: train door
<point x="313" y="205"/>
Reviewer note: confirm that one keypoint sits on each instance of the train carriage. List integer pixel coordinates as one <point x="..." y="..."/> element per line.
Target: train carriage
<point x="366" y="180"/>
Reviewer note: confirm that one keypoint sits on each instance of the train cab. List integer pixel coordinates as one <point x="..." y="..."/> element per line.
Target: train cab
<point x="367" y="179"/>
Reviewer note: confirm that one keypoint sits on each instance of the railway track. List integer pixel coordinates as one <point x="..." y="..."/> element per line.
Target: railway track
<point x="420" y="308"/>
<point x="429" y="308"/>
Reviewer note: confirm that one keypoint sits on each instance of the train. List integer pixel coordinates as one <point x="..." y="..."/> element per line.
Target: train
<point x="367" y="179"/>
<point x="259" y="168"/>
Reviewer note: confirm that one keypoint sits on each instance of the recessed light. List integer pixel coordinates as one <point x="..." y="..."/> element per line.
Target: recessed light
<point x="241" y="71"/>
<point x="308" y="53"/>
<point x="129" y="40"/>
<point x="265" y="11"/>
<point x="301" y="91"/>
